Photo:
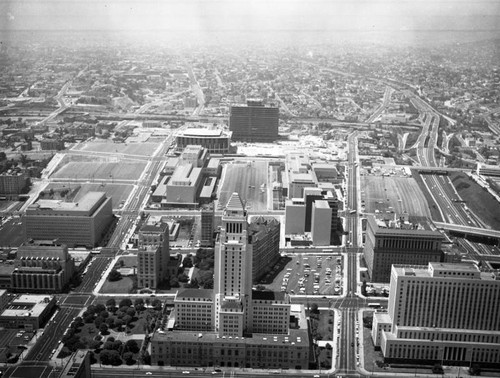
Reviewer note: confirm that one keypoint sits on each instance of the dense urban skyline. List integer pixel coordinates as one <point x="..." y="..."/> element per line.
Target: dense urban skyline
<point x="221" y="187"/>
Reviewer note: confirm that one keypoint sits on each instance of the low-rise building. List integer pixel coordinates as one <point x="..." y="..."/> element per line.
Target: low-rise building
<point x="52" y="144"/>
<point x="217" y="141"/>
<point x="184" y="186"/>
<point x="13" y="182"/>
<point x="28" y="311"/>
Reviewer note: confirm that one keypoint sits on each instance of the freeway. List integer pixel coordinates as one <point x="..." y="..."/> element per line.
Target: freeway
<point x="440" y="187"/>
<point x="385" y="102"/>
<point x="195" y="87"/>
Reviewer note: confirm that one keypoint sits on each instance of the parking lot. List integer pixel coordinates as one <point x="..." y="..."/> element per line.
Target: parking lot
<point x="312" y="275"/>
<point x="15" y="338"/>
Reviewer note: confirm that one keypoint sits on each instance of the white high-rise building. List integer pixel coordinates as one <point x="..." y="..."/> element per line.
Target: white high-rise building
<point x="445" y="312"/>
<point x="231" y="325"/>
<point x="233" y="271"/>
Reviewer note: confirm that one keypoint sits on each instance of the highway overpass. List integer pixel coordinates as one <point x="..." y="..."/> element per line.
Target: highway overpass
<point x="492" y="236"/>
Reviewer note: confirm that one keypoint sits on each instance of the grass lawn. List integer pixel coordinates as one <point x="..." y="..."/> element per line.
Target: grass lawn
<point x="325" y="358"/>
<point x="482" y="203"/>
<point x="128" y="261"/>
<point x="122" y="286"/>
<point x="325" y="325"/>
<point x="125" y="284"/>
<point x="322" y="325"/>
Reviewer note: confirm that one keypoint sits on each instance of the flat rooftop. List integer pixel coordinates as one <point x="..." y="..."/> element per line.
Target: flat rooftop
<point x="295" y="337"/>
<point x="202" y="133"/>
<point x="86" y="203"/>
<point x="193" y="294"/>
<point x="461" y="271"/>
<point x="27" y="305"/>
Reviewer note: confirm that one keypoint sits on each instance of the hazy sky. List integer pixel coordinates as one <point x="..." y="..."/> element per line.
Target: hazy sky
<point x="244" y="15"/>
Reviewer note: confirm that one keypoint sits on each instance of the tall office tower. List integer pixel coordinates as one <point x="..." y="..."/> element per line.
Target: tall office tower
<point x="153" y="256"/>
<point x="321" y="223"/>
<point x="333" y="201"/>
<point x="42" y="266"/>
<point x="233" y="271"/>
<point x="72" y="223"/>
<point x="398" y="241"/>
<point x="295" y="215"/>
<point x="442" y="312"/>
<point x="310" y="195"/>
<point x="207" y="225"/>
<point x="264" y="237"/>
<point x="233" y="325"/>
<point x="254" y="122"/>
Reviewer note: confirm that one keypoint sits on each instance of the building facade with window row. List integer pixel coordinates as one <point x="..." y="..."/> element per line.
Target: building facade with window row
<point x="445" y="312"/>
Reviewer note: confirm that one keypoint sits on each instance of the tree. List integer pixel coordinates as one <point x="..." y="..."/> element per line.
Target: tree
<point x="103" y="328"/>
<point x="131" y="312"/>
<point x="114" y="275"/>
<point x="105" y="357"/>
<point x="110" y="322"/>
<point x="112" y="345"/>
<point x="187" y="262"/>
<point x="139" y="304"/>
<point x="104" y="314"/>
<point x="111" y="304"/>
<point x="128" y="357"/>
<point x="156" y="304"/>
<point x="183" y="277"/>
<point x="98" y="321"/>
<point x="125" y="302"/>
<point x="88" y="317"/>
<point x="132" y="346"/>
<point x="99" y="308"/>
<point x="127" y="319"/>
<point x="93" y="344"/>
<point x="174" y="282"/>
<point x="315" y="308"/>
<point x="118" y="324"/>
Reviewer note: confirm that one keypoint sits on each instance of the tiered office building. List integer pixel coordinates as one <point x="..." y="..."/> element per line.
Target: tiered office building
<point x="233" y="325"/>
<point x="153" y="257"/>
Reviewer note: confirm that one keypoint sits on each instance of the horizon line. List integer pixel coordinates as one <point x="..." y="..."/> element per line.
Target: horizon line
<point x="249" y="30"/>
